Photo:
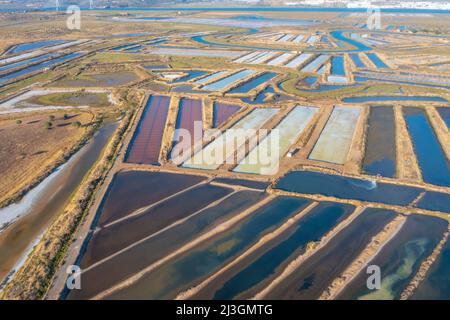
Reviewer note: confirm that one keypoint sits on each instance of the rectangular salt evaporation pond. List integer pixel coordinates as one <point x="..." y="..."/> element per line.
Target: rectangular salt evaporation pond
<point x="376" y="61"/>
<point x="299" y="60"/>
<point x="258" y="56"/>
<point x="357" y="60"/>
<point x="190" y="119"/>
<point x="222" y="112"/>
<point x="280" y="60"/>
<point x="315" y="274"/>
<point x="254" y="272"/>
<point x="316" y="63"/>
<point x="380" y="154"/>
<point x="27" y="62"/>
<point x="223" y="147"/>
<point x="137" y="187"/>
<point x="254" y="83"/>
<point x="347" y="188"/>
<point x="146" y="144"/>
<point x="368" y="99"/>
<point x="145" y="253"/>
<point x="227" y="81"/>
<point x="432" y="160"/>
<point x="445" y="115"/>
<point x="259" y="185"/>
<point x="247" y="56"/>
<point x="335" y="140"/>
<point x="146" y="221"/>
<point x="187" y="269"/>
<point x="190" y="76"/>
<point x="264" y="159"/>
<point x="195" y="53"/>
<point x="210" y="77"/>
<point x="399" y="259"/>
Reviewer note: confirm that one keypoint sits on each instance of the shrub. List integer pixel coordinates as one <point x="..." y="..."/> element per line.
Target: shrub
<point x="19" y="121"/>
<point x="76" y="124"/>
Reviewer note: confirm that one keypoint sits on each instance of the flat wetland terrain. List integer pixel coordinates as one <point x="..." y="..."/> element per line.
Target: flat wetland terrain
<point x="92" y="122"/>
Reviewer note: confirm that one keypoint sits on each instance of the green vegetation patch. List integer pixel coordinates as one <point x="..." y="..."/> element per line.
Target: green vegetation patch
<point x="92" y="99"/>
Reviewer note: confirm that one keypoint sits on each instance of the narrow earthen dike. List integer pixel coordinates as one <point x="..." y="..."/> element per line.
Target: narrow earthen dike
<point x="373" y="248"/>
<point x="220" y="228"/>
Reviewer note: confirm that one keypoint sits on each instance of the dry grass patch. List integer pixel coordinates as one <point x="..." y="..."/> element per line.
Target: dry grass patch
<point x="31" y="144"/>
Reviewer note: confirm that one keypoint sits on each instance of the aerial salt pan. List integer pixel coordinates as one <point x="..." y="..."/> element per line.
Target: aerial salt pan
<point x="337" y="71"/>
<point x="146" y="144"/>
<point x="287" y="131"/>
<point x="280" y="60"/>
<point x="335" y="140"/>
<point x="298" y="38"/>
<point x="227" y="81"/>
<point x="316" y="63"/>
<point x="312" y="40"/>
<point x="224" y="146"/>
<point x="264" y="57"/>
<point x="246" y="57"/>
<point x="210" y="78"/>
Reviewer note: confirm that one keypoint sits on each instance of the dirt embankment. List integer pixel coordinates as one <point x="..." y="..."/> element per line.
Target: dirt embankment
<point x="372" y="249"/>
<point x="424" y="267"/>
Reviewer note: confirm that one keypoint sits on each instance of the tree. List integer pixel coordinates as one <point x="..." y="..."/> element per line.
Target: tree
<point x="76" y="124"/>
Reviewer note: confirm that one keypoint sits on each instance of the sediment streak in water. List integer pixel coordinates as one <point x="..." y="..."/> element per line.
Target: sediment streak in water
<point x="423" y="270"/>
<point x="372" y="249"/>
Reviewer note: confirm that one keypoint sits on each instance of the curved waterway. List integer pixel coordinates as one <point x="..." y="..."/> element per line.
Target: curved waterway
<point x="29" y="217"/>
